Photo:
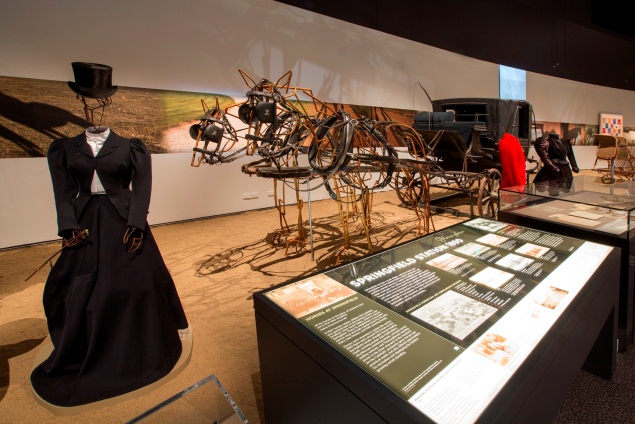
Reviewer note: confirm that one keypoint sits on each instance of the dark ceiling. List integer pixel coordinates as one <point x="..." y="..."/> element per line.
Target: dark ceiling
<point x="589" y="41"/>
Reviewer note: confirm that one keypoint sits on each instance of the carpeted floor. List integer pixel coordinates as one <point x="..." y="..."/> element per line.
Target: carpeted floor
<point x="217" y="264"/>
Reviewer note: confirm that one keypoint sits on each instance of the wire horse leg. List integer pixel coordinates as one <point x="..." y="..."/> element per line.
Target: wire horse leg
<point x="300" y="240"/>
<point x="281" y="207"/>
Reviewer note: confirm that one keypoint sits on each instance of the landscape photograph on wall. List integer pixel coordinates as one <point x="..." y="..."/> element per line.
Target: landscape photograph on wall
<point x="34" y="112"/>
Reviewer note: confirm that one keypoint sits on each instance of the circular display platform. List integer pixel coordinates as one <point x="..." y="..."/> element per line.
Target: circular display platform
<point x="47" y="348"/>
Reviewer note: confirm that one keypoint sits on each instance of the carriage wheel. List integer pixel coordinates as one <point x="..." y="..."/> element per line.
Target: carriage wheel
<point x="488" y="194"/>
<point x="410" y="188"/>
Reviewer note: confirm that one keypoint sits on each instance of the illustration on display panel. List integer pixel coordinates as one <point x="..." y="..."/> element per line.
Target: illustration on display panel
<point x="34" y="112"/>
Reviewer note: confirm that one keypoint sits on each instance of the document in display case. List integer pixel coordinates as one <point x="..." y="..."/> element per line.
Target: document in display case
<point x="480" y="321"/>
<point x="582" y="201"/>
<point x="585" y="207"/>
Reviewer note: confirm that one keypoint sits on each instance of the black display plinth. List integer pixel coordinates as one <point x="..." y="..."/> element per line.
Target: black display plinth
<point x="444" y="329"/>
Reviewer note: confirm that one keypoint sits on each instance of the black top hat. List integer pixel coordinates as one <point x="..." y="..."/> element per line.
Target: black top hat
<point x="92" y="80"/>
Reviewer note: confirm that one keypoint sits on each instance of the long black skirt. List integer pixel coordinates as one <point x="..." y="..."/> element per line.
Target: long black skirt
<point x="113" y="317"/>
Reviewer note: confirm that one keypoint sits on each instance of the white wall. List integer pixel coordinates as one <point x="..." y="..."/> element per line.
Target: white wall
<point x="27" y="214"/>
<point x="560" y="100"/>
<point x="198" y="45"/>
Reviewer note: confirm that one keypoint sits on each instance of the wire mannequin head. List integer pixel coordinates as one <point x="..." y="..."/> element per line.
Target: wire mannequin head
<point x="94" y="105"/>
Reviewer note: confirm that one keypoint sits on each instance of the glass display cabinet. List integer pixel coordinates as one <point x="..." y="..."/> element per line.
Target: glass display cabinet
<point x="483" y="321"/>
<point x="205" y="402"/>
<point x="582" y="202"/>
<point x="584" y="207"/>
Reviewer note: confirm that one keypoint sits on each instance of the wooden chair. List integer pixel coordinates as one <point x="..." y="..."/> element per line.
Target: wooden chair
<point x="607" y="150"/>
<point x="616" y="151"/>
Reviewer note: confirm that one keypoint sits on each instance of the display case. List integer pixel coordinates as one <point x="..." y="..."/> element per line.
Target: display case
<point x="205" y="402"/>
<point x="583" y="206"/>
<point x="583" y="202"/>
<point x="483" y="321"/>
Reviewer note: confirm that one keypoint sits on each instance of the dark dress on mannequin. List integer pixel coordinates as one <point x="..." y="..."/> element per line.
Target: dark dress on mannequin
<point x="113" y="316"/>
<point x="558" y="160"/>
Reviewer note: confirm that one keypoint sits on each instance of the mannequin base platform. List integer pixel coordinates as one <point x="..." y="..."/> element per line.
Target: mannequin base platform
<point x="184" y="360"/>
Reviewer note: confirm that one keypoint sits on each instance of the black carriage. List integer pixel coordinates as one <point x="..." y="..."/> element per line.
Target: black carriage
<point x="460" y="145"/>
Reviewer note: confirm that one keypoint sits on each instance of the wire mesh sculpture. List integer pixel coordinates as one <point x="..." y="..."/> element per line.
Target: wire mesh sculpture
<point x="297" y="138"/>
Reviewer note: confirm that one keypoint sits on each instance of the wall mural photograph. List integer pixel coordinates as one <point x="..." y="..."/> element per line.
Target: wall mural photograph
<point x="35" y="112"/>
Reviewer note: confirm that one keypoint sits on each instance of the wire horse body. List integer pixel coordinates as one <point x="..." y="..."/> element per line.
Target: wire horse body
<point x="298" y="138"/>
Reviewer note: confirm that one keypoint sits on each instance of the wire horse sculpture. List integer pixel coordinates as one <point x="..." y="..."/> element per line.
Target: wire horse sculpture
<point x="298" y="138"/>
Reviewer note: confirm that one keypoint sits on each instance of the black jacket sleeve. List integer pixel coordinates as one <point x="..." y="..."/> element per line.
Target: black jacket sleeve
<point x="65" y="188"/>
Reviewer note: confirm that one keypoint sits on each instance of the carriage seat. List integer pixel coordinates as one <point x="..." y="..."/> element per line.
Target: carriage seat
<point x="435" y="121"/>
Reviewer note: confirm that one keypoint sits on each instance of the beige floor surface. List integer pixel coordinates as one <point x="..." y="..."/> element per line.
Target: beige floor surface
<point x="217" y="264"/>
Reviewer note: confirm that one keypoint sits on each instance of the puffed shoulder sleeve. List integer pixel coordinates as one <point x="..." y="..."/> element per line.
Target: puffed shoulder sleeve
<point x="65" y="188"/>
<point x="141" y="162"/>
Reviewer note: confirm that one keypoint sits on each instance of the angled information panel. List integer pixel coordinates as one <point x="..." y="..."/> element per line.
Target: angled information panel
<point x="445" y="320"/>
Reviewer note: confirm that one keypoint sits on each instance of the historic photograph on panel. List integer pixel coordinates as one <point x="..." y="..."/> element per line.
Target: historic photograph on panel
<point x="309" y="295"/>
<point x="492" y="277"/>
<point x="515" y="262"/>
<point x="531" y="249"/>
<point x="455" y="313"/>
<point x="496" y="348"/>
